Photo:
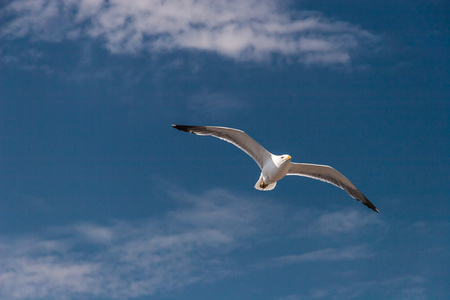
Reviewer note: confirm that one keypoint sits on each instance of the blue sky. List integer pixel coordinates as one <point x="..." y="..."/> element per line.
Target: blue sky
<point x="100" y="198"/>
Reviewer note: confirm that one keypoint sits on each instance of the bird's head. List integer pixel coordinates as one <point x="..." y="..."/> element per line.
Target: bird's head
<point x="281" y="160"/>
<point x="285" y="157"/>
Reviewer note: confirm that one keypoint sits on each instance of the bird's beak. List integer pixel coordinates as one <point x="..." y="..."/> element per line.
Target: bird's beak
<point x="288" y="157"/>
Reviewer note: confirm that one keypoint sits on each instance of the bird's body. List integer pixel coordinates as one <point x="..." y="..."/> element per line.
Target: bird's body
<point x="275" y="167"/>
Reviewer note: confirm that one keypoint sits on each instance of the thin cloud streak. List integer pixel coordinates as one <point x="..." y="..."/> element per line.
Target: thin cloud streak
<point x="330" y="254"/>
<point x="248" y="30"/>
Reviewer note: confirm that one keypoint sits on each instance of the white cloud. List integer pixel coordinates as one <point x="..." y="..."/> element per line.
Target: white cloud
<point x="33" y="268"/>
<point x="132" y="259"/>
<point x="251" y="30"/>
<point x="199" y="241"/>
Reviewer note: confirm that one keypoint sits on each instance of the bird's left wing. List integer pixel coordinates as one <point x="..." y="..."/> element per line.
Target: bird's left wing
<point x="237" y="137"/>
<point x="330" y="175"/>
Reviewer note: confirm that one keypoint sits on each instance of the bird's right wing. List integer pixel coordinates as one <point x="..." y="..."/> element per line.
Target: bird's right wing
<point x="234" y="136"/>
<point x="330" y="175"/>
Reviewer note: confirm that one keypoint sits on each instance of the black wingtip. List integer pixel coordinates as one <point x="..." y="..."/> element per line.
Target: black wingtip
<point x="371" y="206"/>
<point x="182" y="127"/>
<point x="374" y="208"/>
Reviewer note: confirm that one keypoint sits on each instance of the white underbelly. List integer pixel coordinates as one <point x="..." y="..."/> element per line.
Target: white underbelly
<point x="272" y="173"/>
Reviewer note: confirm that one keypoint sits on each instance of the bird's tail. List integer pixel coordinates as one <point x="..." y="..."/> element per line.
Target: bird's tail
<point x="261" y="186"/>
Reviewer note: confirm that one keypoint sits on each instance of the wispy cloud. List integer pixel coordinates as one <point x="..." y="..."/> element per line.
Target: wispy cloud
<point x="131" y="259"/>
<point x="248" y="30"/>
<point x="198" y="241"/>
<point x="335" y="223"/>
<point x="329" y="254"/>
<point x="347" y="221"/>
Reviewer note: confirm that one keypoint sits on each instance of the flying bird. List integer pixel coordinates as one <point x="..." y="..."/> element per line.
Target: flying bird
<point x="275" y="167"/>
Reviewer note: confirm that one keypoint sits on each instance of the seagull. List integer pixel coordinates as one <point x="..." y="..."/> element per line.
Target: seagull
<point x="275" y="167"/>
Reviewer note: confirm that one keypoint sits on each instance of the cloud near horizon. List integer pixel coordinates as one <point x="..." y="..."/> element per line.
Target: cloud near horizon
<point x="194" y="243"/>
<point x="247" y="30"/>
<point x="131" y="259"/>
